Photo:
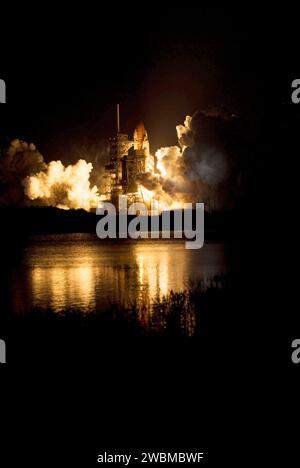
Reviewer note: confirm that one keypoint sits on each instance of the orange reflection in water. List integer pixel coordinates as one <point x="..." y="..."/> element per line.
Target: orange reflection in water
<point x="63" y="287"/>
<point x="157" y="269"/>
<point x="79" y="272"/>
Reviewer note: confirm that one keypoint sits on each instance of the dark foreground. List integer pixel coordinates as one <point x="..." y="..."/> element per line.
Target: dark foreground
<point x="73" y="335"/>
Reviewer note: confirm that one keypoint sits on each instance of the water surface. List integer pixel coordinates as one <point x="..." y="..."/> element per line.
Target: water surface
<point x="80" y="271"/>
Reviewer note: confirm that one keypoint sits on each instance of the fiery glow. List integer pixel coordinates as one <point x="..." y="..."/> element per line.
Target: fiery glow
<point x="159" y="162"/>
<point x="193" y="171"/>
<point x="147" y="195"/>
<point x="168" y="160"/>
<point x="64" y="187"/>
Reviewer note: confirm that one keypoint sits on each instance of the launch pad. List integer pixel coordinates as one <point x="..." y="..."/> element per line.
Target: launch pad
<point x="127" y="160"/>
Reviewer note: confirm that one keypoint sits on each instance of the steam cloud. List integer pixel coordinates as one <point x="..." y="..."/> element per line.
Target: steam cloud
<point x="25" y="179"/>
<point x="19" y="160"/>
<point x="63" y="187"/>
<point x="197" y="170"/>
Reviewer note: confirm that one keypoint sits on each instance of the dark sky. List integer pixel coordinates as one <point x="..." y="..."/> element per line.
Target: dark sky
<point x="65" y="70"/>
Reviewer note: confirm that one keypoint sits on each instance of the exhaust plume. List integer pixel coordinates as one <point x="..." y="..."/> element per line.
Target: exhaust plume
<point x="25" y="179"/>
<point x="197" y="170"/>
<point x="194" y="171"/>
<point x="63" y="187"/>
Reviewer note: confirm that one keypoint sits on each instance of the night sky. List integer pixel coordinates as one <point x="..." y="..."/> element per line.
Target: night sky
<point x="65" y="71"/>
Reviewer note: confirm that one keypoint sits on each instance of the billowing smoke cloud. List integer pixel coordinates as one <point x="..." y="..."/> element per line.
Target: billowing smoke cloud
<point x="63" y="187"/>
<point x="204" y="160"/>
<point x="96" y="153"/>
<point x="168" y="184"/>
<point x="26" y="179"/>
<point x="195" y="171"/>
<point x="19" y="160"/>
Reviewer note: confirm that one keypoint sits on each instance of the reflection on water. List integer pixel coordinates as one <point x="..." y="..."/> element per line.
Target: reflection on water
<point x="79" y="271"/>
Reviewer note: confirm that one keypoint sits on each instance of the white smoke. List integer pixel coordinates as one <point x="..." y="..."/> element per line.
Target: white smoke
<point x="194" y="171"/>
<point x="63" y="187"/>
<point x="203" y="159"/>
<point x="19" y="160"/>
<point x="185" y="133"/>
<point x="25" y="179"/>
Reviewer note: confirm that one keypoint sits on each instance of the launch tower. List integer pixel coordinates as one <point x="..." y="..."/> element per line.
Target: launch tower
<point x="127" y="160"/>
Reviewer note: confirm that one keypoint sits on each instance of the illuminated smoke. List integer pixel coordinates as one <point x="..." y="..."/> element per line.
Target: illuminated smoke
<point x="17" y="161"/>
<point x="168" y="185"/>
<point x="197" y="170"/>
<point x="25" y="179"/>
<point x="194" y="171"/>
<point x="63" y="187"/>
<point x="203" y="155"/>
